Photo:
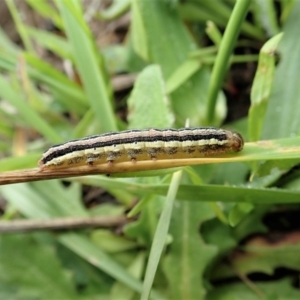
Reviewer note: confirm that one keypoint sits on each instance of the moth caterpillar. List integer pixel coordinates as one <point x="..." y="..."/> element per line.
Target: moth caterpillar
<point x="137" y="145"/>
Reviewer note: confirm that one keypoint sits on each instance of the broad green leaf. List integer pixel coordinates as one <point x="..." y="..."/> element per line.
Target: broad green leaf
<point x="166" y="40"/>
<point x="189" y="101"/>
<point x="148" y="104"/>
<point x="188" y="256"/>
<point x="275" y="290"/>
<point x="283" y="116"/>
<point x="261" y="255"/>
<point x="94" y="284"/>
<point x="31" y="270"/>
<point x="265" y="14"/>
<point x="253" y="223"/>
<point x="218" y="234"/>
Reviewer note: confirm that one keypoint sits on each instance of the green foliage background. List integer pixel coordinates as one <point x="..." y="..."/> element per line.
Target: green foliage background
<point x="188" y="221"/>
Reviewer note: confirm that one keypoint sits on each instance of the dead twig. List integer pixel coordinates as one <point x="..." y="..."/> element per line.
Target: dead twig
<point x="69" y="223"/>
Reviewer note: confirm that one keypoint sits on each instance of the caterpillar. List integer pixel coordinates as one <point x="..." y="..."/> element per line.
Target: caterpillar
<point x="137" y="145"/>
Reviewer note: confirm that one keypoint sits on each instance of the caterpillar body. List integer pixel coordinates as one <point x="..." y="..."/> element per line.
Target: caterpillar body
<point x="137" y="145"/>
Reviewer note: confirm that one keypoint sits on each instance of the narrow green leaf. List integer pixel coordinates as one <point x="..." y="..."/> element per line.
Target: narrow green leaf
<point x="89" y="64"/>
<point x="213" y="33"/>
<point x="26" y="112"/>
<point x="202" y="193"/>
<point x="21" y="162"/>
<point x="262" y="87"/>
<point x="90" y="252"/>
<point x="52" y="42"/>
<point x="160" y="236"/>
<point x="119" y="291"/>
<point x="44" y="8"/>
<point x="115" y="10"/>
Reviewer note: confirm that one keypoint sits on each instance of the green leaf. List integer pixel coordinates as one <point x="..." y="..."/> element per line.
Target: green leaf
<point x="166" y="41"/>
<point x="7" y="46"/>
<point x="115" y="10"/>
<point x="262" y="255"/>
<point x="27" y="113"/>
<point x="148" y="105"/>
<point x="181" y="74"/>
<point x="188" y="256"/>
<point x="262" y="87"/>
<point x="189" y="101"/>
<point x="219" y="12"/>
<point x="275" y="290"/>
<point x="265" y="14"/>
<point x="35" y="201"/>
<point x="20" y="162"/>
<point x="283" y="116"/>
<point x="44" y="8"/>
<point x="90" y="252"/>
<point x="111" y="243"/>
<point x="202" y="193"/>
<point x="120" y="291"/>
<point x="143" y="228"/>
<point x="89" y="64"/>
<point x="160" y="236"/>
<point x="31" y="270"/>
<point x="238" y="213"/>
<point x="52" y="42"/>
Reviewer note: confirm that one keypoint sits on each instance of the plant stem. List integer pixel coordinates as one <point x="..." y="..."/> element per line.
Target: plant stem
<point x="228" y="41"/>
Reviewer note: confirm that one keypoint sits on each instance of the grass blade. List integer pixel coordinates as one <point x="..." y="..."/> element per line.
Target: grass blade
<point x="160" y="236"/>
